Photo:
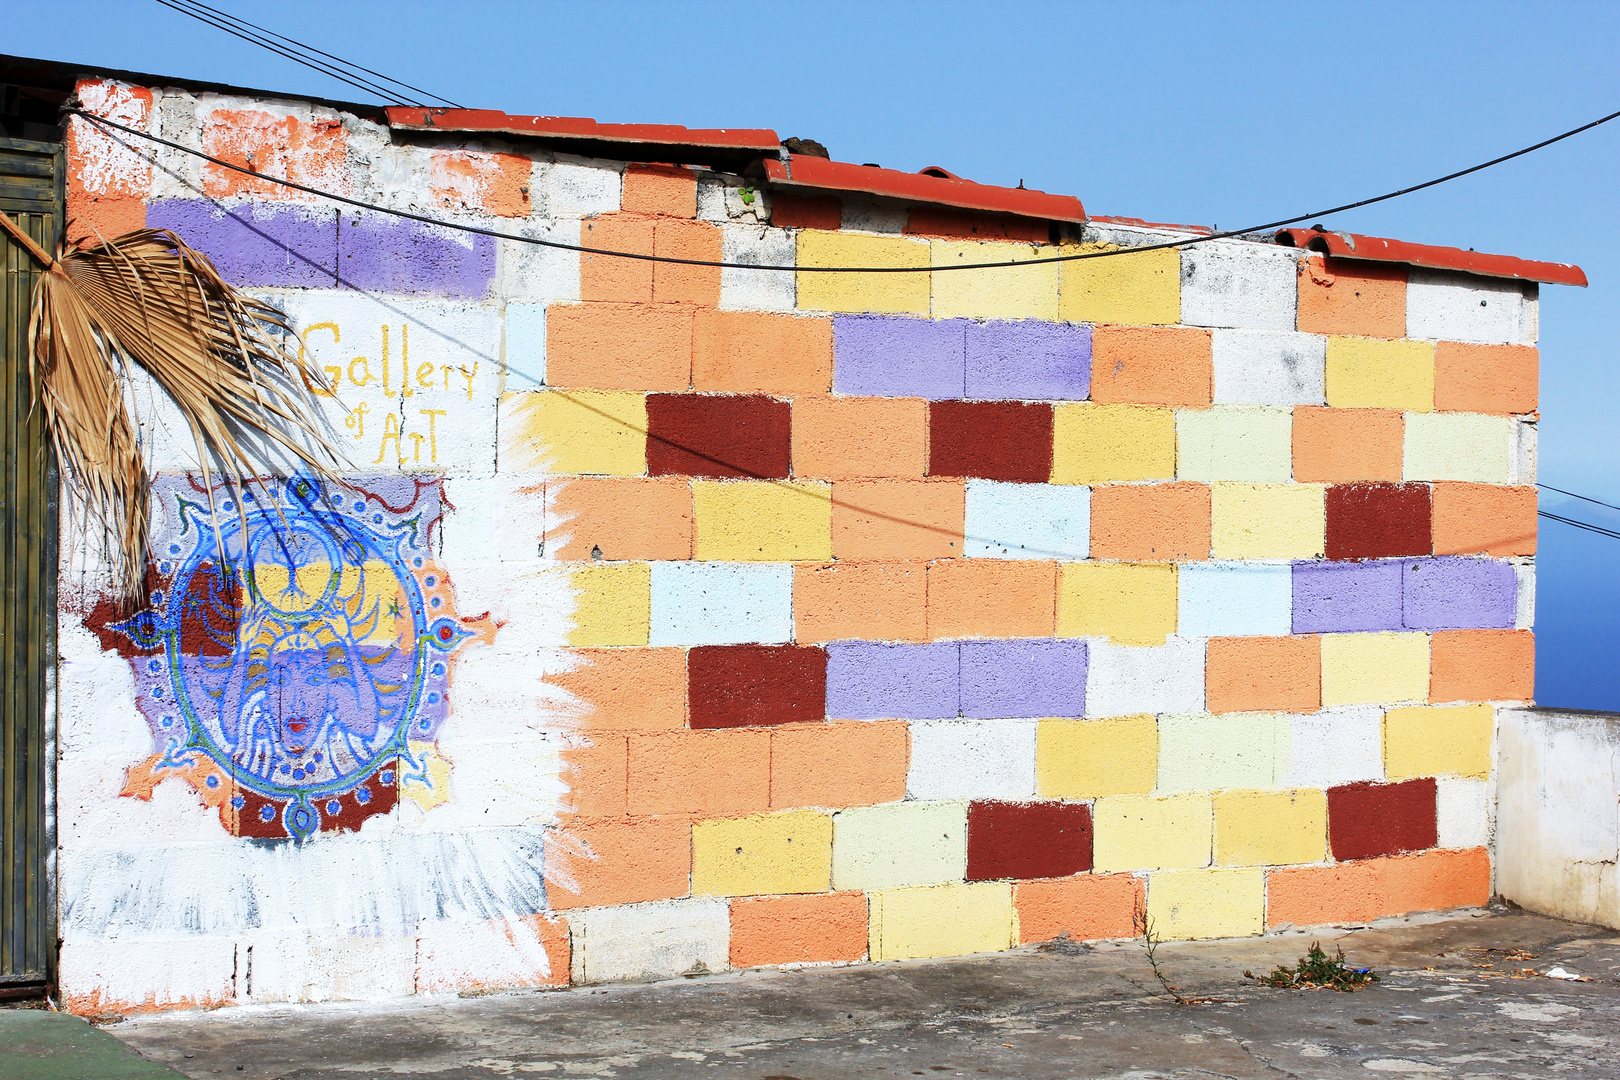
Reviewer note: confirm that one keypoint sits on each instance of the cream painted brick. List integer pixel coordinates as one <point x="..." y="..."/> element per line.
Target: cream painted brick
<point x="1238" y="284"/>
<point x="572" y="190"/>
<point x="972" y="759"/>
<point x="908" y="843"/>
<point x="720" y="603"/>
<point x="120" y="974"/>
<point x="489" y="953"/>
<point x="1462" y="307"/>
<point x="1232" y="750"/>
<point x="1464" y="811"/>
<point x="327" y="967"/>
<point x="1336" y="746"/>
<point x="942" y="920"/>
<point x="1027" y="521"/>
<point x="1525" y="615"/>
<point x="1214" y="903"/>
<point x="1123" y="680"/>
<point x="1145" y="832"/>
<point x="757" y="290"/>
<point x="1269" y="367"/>
<point x="1459" y="446"/>
<point x="650" y="941"/>
<point x="1235" y="442"/>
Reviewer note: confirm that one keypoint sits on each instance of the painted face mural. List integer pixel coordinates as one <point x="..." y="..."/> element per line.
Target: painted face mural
<point x="300" y="684"/>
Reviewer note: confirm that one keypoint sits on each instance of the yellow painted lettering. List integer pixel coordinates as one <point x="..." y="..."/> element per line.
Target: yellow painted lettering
<point x="416" y="445"/>
<point x="424" y="376"/>
<point x="433" y="432"/>
<point x="386" y="392"/>
<point x="468" y="375"/>
<point x="356" y="420"/>
<point x="366" y="366"/>
<point x="334" y="374"/>
<point x="390" y="431"/>
<point x="405" y="390"/>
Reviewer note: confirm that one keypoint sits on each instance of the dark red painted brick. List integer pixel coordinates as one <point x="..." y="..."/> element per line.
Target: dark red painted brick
<point x="729" y="435"/>
<point x="992" y="440"/>
<point x="1369" y="819"/>
<point x="1027" y="840"/>
<point x="755" y="685"/>
<point x="1378" y="521"/>
<point x="806" y="211"/>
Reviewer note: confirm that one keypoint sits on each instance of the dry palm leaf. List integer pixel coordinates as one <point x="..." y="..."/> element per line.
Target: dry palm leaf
<point x="149" y="298"/>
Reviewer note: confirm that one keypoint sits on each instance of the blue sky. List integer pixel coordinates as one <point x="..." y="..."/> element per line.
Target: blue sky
<point x="1219" y="114"/>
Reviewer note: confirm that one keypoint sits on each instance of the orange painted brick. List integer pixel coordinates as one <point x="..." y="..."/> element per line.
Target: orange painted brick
<point x="843" y="438"/>
<point x="898" y="519"/>
<point x="603" y="277"/>
<point x="619" y="519"/>
<point x="660" y="190"/>
<point x="1486" y="378"/>
<point x="847" y="601"/>
<point x="1482" y="665"/>
<point x="818" y="928"/>
<point x="1086" y="907"/>
<point x="851" y="763"/>
<point x="1151" y="365"/>
<point x="751" y="352"/>
<point x="618" y="861"/>
<point x="1372" y="888"/>
<point x="1150" y="522"/>
<point x="992" y="598"/>
<point x="313" y="152"/>
<point x="628" y="689"/>
<point x="494" y="183"/>
<point x="594" y="768"/>
<point x="674" y="283"/>
<point x="1260" y="674"/>
<point x="713" y="773"/>
<point x="612" y="346"/>
<point x="1483" y="519"/>
<point x="1348" y="297"/>
<point x="1338" y="445"/>
<point x="100" y="200"/>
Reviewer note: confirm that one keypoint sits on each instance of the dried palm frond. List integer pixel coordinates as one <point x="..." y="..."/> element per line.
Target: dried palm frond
<point x="148" y="298"/>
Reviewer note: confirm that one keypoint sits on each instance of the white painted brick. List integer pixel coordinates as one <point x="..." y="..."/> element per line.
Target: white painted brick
<point x="720" y="200"/>
<point x="1461" y="307"/>
<point x="121" y="975"/>
<point x="757" y="290"/>
<point x="908" y="843"/>
<point x="1238" y="285"/>
<point x="1526" y="451"/>
<point x="1251" y="443"/>
<point x="1337" y="746"/>
<point x="325" y="967"/>
<point x="537" y="273"/>
<point x="452" y="956"/>
<point x="717" y="603"/>
<point x="1525" y="613"/>
<point x="1027" y="521"/>
<point x="1234" y="599"/>
<point x="1122" y="680"/>
<point x="525" y="351"/>
<point x="1266" y="367"/>
<point x="574" y="190"/>
<point x="650" y="941"/>
<point x="972" y="759"/>
<point x="1459" y="446"/>
<point x="1464" y="812"/>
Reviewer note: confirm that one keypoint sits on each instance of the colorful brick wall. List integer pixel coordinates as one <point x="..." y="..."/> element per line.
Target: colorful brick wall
<point x="829" y="617"/>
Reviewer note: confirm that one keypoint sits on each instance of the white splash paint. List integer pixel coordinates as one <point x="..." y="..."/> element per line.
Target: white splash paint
<point x="104" y="165"/>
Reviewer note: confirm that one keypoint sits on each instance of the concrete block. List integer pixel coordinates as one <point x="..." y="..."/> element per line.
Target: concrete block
<point x="1526" y="614"/>
<point x="715" y="603"/>
<point x="1453" y="593"/>
<point x="1238" y="284"/>
<point x="1234" y="600"/>
<point x="1482" y="665"/>
<point x="909" y="843"/>
<point x="1128" y="603"/>
<point x="730" y="436"/>
<point x="867" y="681"/>
<point x="1345" y="296"/>
<point x="897" y="519"/>
<point x="1249" y="443"/>
<point x="532" y="273"/>
<point x="1343" y="597"/>
<point x="121" y="975"/>
<point x="1443" y="740"/>
<point x="1150" y="522"/>
<point x="571" y="190"/>
<point x="891" y="357"/>
<point x="840" y="764"/>
<point x="972" y="759"/>
<point x="1339" y="445"/>
<point x="1360" y="669"/>
<point x="1023" y="678"/>
<point x="611" y="605"/>
<point x="1087" y="907"/>
<point x="613" y="346"/>
<point x="1013" y="840"/>
<point x="890" y="293"/>
<point x="616" y="519"/>
<point x="1027" y="521"/>
<point x="326" y="967"/>
<point x="755" y="685"/>
<point x="579" y="432"/>
<point x="650" y="941"/>
<point x="1202" y="752"/>
<point x="1370" y="889"/>
<point x="819" y="929"/>
<point x="1465" y="307"/>
<point x="766" y="854"/>
<point x="756" y="290"/>
<point x="1270" y="828"/>
<point x="1122" y="680"/>
<point x="1096" y="444"/>
<point x="1186" y="904"/>
<point x="1367" y="820"/>
<point x="756" y="352"/>
<point x="854" y="602"/>
<point x="763" y="520"/>
<point x="1141" y="832"/>
<point x="1459" y="446"/>
<point x="860" y="214"/>
<point x="525" y="355"/>
<point x="1526" y="451"/>
<point x="1142" y="289"/>
<point x="1377" y="521"/>
<point x="258" y="244"/>
<point x="1336" y="746"/>
<point x="1267" y="521"/>
<point x="618" y="861"/>
<point x="1269" y="367"/>
<point x="1465" y="812"/>
<point x="1365" y="373"/>
<point x="1264" y="674"/>
<point x="991" y="440"/>
<point x="498" y="954"/>
<point x="1082" y="759"/>
<point x="1486" y="378"/>
<point x="992" y="598"/>
<point x="844" y="438"/>
<point x="941" y="920"/>
<point x="1157" y="365"/>
<point x="721" y="773"/>
<point x="994" y="294"/>
<point x="1028" y="359"/>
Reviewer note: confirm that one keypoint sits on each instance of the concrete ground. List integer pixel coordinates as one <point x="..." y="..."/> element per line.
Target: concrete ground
<point x="1464" y="995"/>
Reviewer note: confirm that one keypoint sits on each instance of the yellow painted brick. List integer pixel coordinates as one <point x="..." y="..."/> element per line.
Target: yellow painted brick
<point x="1130" y="603"/>
<point x="1267" y="521"/>
<point x="1138" y="832"/>
<point x="994" y="294"/>
<point x="1270" y="828"/>
<point x="612" y="604"/>
<point x="1449" y="740"/>
<point x="1142" y="289"/>
<point x="1082" y="759"/>
<point x="941" y="920"/>
<point x="862" y="292"/>
<point x="1099" y="444"/>
<point x="1367" y="669"/>
<point x="763" y="520"/>
<point x="1368" y="373"/>
<point x="574" y="432"/>
<point x="1187" y="904"/>
<point x="1201" y="752"/>
<point x="766" y="854"/>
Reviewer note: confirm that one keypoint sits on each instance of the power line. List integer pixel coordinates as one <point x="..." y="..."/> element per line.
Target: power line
<point x="564" y="246"/>
<point x="1588" y="526"/>
<point x="1583" y="498"/>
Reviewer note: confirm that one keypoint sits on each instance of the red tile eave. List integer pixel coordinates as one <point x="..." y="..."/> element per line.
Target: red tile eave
<point x="1381" y="249"/>
<point x="576" y="127"/>
<point x="823" y="175"/>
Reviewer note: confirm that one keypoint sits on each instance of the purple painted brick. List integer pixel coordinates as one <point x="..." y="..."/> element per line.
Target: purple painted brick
<point x="1342" y="597"/>
<point x="1023" y="678"/>
<point x="867" y="681"/>
<point x="875" y="356"/>
<point x="257" y="244"/>
<point x="1012" y="360"/>
<point x="381" y="253"/>
<point x="1459" y="594"/>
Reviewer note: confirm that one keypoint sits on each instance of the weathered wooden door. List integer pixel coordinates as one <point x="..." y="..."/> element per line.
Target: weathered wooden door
<point x="31" y="193"/>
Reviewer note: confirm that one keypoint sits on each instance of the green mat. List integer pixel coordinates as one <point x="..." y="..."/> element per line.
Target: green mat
<point x="36" y="1044"/>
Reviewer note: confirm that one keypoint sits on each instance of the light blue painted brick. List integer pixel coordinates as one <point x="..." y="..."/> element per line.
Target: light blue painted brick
<point x="718" y="603"/>
<point x="525" y="346"/>
<point x="1027" y="521"/>
<point x="1236" y="599"/>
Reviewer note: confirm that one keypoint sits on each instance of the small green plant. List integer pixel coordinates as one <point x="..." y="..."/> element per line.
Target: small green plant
<point x="1316" y="969"/>
<point x="747" y="194"/>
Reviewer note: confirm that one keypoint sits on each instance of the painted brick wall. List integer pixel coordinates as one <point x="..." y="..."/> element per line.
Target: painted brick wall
<point x="822" y="618"/>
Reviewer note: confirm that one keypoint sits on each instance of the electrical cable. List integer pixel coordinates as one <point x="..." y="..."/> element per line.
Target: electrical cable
<point x="1583" y="498"/>
<point x="1588" y="526"/>
<point x="561" y="245"/>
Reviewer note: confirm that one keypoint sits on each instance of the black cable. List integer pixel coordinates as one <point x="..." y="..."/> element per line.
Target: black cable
<point x="1583" y="498"/>
<point x="319" y="52"/>
<point x="1588" y="526"/>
